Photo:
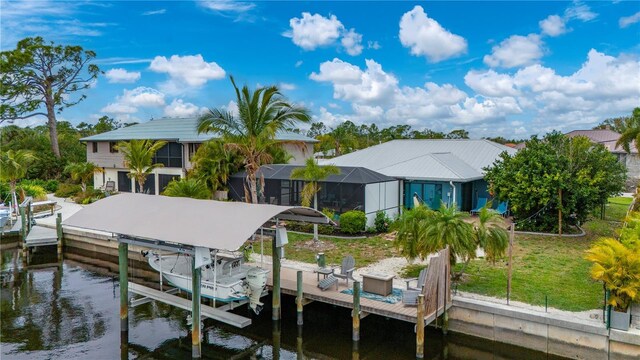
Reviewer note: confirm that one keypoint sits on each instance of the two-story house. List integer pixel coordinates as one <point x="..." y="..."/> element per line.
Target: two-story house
<point x="182" y="142"/>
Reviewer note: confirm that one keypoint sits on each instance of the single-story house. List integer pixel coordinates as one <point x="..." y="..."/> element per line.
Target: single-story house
<point x="355" y="188"/>
<point x="183" y="141"/>
<point x="437" y="170"/>
<point x="608" y="138"/>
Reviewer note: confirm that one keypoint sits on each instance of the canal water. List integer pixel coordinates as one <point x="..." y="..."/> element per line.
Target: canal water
<point x="70" y="310"/>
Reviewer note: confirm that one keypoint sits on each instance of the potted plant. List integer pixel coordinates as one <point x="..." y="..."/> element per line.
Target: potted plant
<point x="617" y="265"/>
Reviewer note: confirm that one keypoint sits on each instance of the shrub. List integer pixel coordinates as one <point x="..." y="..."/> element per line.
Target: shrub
<point x="38" y="193"/>
<point x="88" y="197"/>
<point x="5" y="192"/>
<point x="68" y="190"/>
<point x="50" y="186"/>
<point x="381" y="222"/>
<point x="353" y="222"/>
<point x="329" y="213"/>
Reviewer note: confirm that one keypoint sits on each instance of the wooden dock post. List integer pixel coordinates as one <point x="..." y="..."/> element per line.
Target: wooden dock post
<point x="356" y="311"/>
<point x="123" y="269"/>
<point x="276" y="340"/>
<point x="275" y="303"/>
<point x="300" y="320"/>
<point x="420" y="328"/>
<point x="59" y="233"/>
<point x="299" y="345"/>
<point x="196" y="347"/>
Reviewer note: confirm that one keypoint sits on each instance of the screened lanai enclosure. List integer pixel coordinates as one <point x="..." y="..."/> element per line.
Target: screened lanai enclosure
<point x="355" y="188"/>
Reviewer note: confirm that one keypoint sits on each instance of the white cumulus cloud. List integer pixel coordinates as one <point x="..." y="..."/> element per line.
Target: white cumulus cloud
<point x="426" y="37"/>
<point x="313" y="31"/>
<point x="131" y="100"/>
<point x="287" y="86"/>
<point x="179" y="108"/>
<point x="119" y="75"/>
<point x="516" y="51"/>
<point x="553" y="25"/>
<point x="190" y="71"/>
<point x="352" y="42"/>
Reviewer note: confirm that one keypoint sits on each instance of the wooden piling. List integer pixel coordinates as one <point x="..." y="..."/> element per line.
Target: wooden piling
<point x="356" y="311"/>
<point x="299" y="345"/>
<point x="24" y="230"/>
<point x="300" y="320"/>
<point x="59" y="233"/>
<point x="420" y="328"/>
<point x="276" y="340"/>
<point x="275" y="303"/>
<point x="196" y="347"/>
<point x="123" y="269"/>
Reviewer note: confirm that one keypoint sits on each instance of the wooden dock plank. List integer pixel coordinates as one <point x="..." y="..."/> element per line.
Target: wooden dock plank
<point x="288" y="284"/>
<point x="41" y="236"/>
<point x="182" y="303"/>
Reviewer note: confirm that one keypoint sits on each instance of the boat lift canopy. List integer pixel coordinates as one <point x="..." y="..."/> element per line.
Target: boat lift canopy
<point x="184" y="223"/>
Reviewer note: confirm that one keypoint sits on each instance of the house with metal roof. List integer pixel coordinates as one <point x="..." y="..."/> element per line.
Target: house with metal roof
<point x="437" y="170"/>
<point x="183" y="141"/>
<point x="355" y="188"/>
<point x="609" y="138"/>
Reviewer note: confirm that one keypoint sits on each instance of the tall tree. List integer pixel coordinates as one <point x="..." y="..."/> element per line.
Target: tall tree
<point x="213" y="164"/>
<point x="630" y="131"/>
<point x="138" y="157"/>
<point x="312" y="174"/>
<point x="83" y="172"/>
<point x="40" y="79"/>
<point x="262" y="113"/>
<point x="13" y="167"/>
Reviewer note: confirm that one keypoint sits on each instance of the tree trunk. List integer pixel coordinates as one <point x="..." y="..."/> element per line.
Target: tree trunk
<point x="252" y="187"/>
<point x="84" y="187"/>
<point x="315" y="226"/>
<point x="52" y="123"/>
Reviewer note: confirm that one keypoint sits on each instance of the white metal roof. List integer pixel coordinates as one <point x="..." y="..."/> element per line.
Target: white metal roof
<point x="212" y="224"/>
<point x="431" y="159"/>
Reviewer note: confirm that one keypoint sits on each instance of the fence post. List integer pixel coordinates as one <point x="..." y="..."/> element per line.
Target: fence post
<point x="420" y="328"/>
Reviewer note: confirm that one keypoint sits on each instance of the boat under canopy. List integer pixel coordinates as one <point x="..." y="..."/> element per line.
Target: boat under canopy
<point x="183" y="222"/>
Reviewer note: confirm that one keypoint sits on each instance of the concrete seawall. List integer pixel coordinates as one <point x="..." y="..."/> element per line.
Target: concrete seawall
<point x="549" y="333"/>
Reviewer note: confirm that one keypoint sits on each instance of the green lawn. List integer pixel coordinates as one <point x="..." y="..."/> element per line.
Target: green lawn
<point x="548" y="266"/>
<point x="365" y="251"/>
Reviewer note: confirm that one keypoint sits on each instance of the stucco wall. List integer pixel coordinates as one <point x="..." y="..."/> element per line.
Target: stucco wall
<point x="104" y="158"/>
<point x="633" y="171"/>
<point x="299" y="155"/>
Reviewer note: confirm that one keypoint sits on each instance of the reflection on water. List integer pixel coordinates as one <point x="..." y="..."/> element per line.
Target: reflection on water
<point x="70" y="310"/>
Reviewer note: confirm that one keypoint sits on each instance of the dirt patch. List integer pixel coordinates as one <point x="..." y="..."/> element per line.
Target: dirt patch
<point x="319" y="245"/>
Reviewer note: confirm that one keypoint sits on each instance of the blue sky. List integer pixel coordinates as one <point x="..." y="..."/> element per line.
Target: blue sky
<point x="494" y="68"/>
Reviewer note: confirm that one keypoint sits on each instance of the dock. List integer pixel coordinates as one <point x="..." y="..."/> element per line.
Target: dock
<point x="311" y="292"/>
<point x="182" y="303"/>
<point x="41" y="236"/>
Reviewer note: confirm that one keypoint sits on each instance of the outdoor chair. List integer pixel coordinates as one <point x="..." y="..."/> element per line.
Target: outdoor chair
<point x="110" y="186"/>
<point x="482" y="202"/>
<point x="346" y="269"/>
<point x="420" y="281"/>
<point x="410" y="297"/>
<point x="503" y="208"/>
<point x="327" y="282"/>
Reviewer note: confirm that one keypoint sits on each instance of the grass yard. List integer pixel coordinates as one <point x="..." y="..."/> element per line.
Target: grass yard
<point x="365" y="251"/>
<point x="548" y="265"/>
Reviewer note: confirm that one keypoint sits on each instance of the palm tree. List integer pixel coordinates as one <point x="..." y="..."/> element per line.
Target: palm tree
<point x="448" y="227"/>
<point x="138" y="157"/>
<point x="631" y="133"/>
<point x="191" y="188"/>
<point x="83" y="172"/>
<point x="13" y="167"/>
<point x="252" y="132"/>
<point x="490" y="233"/>
<point x="339" y="139"/>
<point x="411" y="231"/>
<point x="214" y="164"/>
<point x="312" y="173"/>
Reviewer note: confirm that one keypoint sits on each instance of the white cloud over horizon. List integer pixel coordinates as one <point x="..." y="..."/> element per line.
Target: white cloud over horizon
<point x="131" y="100"/>
<point x="122" y="76"/>
<point x="314" y="31"/>
<point x="516" y="51"/>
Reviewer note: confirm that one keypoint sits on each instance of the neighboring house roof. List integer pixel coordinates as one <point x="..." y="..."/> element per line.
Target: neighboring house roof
<point x="348" y="174"/>
<point x="174" y="129"/>
<point x="606" y="137"/>
<point x="457" y="160"/>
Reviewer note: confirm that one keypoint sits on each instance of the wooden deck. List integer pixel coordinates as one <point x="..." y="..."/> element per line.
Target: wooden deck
<point x="41" y="236"/>
<point x="288" y="285"/>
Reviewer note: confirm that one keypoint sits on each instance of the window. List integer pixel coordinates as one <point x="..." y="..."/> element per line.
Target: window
<point x="95" y="147"/>
<point x="169" y="155"/>
<point x="113" y="147"/>
<point x="193" y="148"/>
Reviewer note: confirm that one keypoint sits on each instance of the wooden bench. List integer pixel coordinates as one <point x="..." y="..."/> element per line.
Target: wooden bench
<point x="50" y="203"/>
<point x="328" y="282"/>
